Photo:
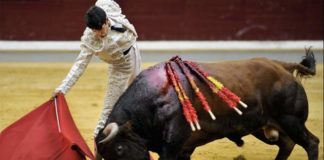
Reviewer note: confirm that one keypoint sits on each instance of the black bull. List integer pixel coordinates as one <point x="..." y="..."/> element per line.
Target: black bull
<point x="148" y="116"/>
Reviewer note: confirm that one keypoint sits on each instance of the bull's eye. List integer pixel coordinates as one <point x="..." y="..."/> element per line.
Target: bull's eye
<point x="119" y="150"/>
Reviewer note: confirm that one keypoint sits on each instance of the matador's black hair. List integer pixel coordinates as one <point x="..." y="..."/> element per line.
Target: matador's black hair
<point x="95" y="17"/>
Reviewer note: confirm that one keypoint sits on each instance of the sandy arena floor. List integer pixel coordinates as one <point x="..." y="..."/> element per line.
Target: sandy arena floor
<point x="25" y="86"/>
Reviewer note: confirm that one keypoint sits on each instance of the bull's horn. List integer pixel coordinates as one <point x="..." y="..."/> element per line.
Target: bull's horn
<point x="110" y="131"/>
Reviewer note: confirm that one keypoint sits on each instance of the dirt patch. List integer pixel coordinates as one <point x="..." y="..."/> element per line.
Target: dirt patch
<point x="25" y="86"/>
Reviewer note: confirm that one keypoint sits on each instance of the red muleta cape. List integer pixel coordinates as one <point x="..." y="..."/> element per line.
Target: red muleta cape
<point x="46" y="133"/>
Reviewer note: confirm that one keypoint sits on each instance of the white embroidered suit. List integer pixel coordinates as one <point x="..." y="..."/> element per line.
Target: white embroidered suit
<point x="122" y="68"/>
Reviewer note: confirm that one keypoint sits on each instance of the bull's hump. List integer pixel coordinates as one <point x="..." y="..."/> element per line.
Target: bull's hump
<point x="156" y="75"/>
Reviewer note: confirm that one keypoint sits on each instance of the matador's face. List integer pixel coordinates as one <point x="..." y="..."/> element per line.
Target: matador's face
<point x="103" y="32"/>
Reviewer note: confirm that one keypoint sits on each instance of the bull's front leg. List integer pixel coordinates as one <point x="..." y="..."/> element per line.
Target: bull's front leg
<point x="169" y="152"/>
<point x="175" y="134"/>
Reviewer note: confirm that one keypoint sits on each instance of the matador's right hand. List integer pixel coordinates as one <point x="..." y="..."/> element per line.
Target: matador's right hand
<point x="54" y="94"/>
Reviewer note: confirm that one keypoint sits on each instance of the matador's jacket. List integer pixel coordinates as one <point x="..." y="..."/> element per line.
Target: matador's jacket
<point x="110" y="49"/>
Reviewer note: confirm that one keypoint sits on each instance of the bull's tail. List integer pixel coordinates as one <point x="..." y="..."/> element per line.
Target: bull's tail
<point x="307" y="67"/>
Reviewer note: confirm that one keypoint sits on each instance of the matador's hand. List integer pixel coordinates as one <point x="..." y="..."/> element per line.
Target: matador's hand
<point x="54" y="94"/>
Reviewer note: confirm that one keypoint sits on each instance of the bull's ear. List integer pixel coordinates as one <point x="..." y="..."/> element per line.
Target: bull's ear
<point x="127" y="126"/>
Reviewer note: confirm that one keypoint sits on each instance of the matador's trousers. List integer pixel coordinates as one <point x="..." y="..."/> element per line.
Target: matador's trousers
<point x="119" y="77"/>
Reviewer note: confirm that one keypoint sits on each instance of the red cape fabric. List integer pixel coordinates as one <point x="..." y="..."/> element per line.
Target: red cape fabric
<point x="36" y="136"/>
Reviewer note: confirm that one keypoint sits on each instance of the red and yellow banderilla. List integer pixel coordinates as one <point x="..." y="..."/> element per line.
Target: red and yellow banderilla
<point x="194" y="86"/>
<point x="188" y="110"/>
<point x="218" y="88"/>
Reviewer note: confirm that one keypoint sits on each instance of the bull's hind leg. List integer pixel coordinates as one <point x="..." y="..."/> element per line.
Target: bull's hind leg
<point x="285" y="144"/>
<point x="292" y="117"/>
<point x="292" y="121"/>
<point x="300" y="135"/>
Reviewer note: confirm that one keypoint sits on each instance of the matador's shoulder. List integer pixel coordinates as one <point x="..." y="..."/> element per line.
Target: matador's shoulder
<point x="91" y="41"/>
<point x="110" y="7"/>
